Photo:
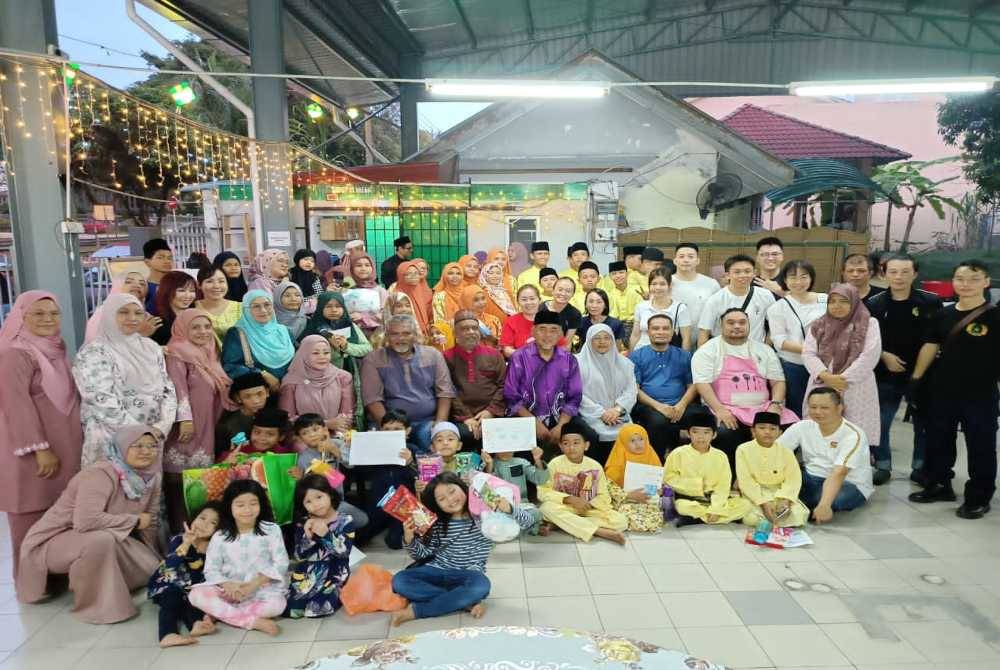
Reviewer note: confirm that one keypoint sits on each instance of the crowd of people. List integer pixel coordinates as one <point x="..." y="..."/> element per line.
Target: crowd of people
<point x="761" y="398"/>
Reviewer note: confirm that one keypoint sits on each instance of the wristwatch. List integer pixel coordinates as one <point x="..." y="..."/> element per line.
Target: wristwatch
<point x="779" y="403"/>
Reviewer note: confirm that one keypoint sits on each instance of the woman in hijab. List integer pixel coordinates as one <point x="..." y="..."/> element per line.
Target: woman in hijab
<point x="346" y="352"/>
<point x="470" y="269"/>
<point x="258" y="343"/>
<point x="304" y="274"/>
<point x="409" y="282"/>
<point x="314" y="385"/>
<point x="632" y="446"/>
<point x="474" y="299"/>
<point x="518" y="258"/>
<point x="202" y="388"/>
<point x="609" y="389"/>
<point x="39" y="414"/>
<point x="269" y="269"/>
<point x="102" y="531"/>
<point x="132" y="282"/>
<point x="498" y="255"/>
<point x="841" y="350"/>
<point x="122" y="379"/>
<point x="499" y="302"/>
<point x="366" y="299"/>
<point x="289" y="308"/>
<point x="448" y="293"/>
<point x="232" y="266"/>
<point x="177" y="292"/>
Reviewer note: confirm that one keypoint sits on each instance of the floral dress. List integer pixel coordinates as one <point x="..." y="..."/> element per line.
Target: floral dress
<point x="320" y="568"/>
<point x="642" y="517"/>
<point x="177" y="572"/>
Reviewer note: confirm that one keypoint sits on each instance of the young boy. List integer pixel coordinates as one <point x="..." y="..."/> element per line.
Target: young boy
<point x="547" y="279"/>
<point x="539" y="261"/>
<point x="576" y="254"/>
<point x="159" y="259"/>
<point x="270" y="425"/>
<point x="700" y="476"/>
<point x="688" y="285"/>
<point x="380" y="478"/>
<point x="250" y="394"/>
<point x="769" y="476"/>
<point x="590" y="278"/>
<point x="446" y="443"/>
<point x="739" y="292"/>
<point x="623" y="294"/>
<point x="519" y="471"/>
<point x="576" y="497"/>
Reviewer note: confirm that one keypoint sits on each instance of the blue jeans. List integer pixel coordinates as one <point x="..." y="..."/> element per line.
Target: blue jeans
<point x="848" y="497"/>
<point x="890" y="396"/>
<point x="796" y="380"/>
<point x="438" y="591"/>
<point x="420" y="435"/>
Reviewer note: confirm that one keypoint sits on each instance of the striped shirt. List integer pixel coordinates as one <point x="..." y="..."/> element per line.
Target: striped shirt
<point x="464" y="547"/>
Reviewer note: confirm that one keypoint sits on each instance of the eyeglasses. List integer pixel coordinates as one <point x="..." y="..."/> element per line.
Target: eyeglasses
<point x="147" y="447"/>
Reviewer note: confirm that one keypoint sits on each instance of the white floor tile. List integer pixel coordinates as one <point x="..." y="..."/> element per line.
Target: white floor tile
<point x="567" y="611"/>
<point x="667" y="638"/>
<point x="681" y="577"/>
<point x="947" y="641"/>
<point x="500" y="612"/>
<point x="331" y="647"/>
<point x="270" y="656"/>
<point x="798" y="645"/>
<point x="729" y="549"/>
<point x="135" y="658"/>
<point x="567" y="581"/>
<point x="732" y="646"/>
<point x="661" y="550"/>
<point x="692" y="610"/>
<point x="615" y="580"/>
<point x="506" y="582"/>
<point x="741" y="577"/>
<point x="606" y="553"/>
<point x="195" y="657"/>
<point x="861" y="647"/>
<point x="342" y="626"/>
<point x="43" y="659"/>
<point x="624" y="612"/>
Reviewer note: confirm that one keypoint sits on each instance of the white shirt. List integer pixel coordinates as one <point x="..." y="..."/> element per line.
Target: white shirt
<point x="847" y="446"/>
<point x="787" y="327"/>
<point x="725" y="299"/>
<point x="708" y="359"/>
<point x="678" y="313"/>
<point x="694" y="293"/>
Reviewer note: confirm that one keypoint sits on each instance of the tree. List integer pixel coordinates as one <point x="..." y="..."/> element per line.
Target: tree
<point x="972" y="122"/>
<point x="910" y="190"/>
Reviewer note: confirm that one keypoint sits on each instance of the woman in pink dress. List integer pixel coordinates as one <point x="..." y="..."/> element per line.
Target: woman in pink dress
<point x="101" y="531"/>
<point x="40" y="426"/>
<point x="202" y="394"/>
<point x="314" y="385"/>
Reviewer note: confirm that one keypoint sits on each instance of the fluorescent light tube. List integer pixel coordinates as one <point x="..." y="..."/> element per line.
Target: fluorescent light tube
<point x="892" y="86"/>
<point x="528" y="88"/>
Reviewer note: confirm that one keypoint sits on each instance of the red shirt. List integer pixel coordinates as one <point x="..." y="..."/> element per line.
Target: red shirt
<point x="516" y="332"/>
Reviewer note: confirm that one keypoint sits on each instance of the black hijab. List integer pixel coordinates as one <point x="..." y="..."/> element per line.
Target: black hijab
<point x="305" y="279"/>
<point x="238" y="286"/>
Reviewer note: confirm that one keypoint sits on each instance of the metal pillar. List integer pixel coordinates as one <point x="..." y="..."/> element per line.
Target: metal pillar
<point x="45" y="258"/>
<point x="408" y="96"/>
<point x="270" y="106"/>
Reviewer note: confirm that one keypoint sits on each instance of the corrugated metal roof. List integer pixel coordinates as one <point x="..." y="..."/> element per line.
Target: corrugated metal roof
<point x="815" y="175"/>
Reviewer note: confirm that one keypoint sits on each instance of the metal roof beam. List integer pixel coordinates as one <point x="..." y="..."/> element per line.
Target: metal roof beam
<point x="782" y="12"/>
<point x="465" y="22"/>
<point x="911" y="5"/>
<point x="588" y="19"/>
<point x="399" y="27"/>
<point x="353" y="28"/>
<point x="983" y="6"/>
<point x="529" y="19"/>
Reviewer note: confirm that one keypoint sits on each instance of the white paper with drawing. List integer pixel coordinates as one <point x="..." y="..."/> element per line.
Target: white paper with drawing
<point x="377" y="448"/>
<point x="649" y="478"/>
<point x="515" y="434"/>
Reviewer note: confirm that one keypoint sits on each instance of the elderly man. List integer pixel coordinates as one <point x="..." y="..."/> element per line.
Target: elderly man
<point x="478" y="372"/>
<point x="663" y="374"/>
<point x="737" y="377"/>
<point x="407" y="376"/>
<point x="543" y="382"/>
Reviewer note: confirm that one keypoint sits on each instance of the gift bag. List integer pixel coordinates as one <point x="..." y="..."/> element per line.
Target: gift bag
<point x="279" y="484"/>
<point x="369" y="589"/>
<point x="204" y="484"/>
<point x="484" y="490"/>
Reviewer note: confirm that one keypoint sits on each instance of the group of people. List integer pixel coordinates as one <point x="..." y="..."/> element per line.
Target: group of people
<point x="721" y="385"/>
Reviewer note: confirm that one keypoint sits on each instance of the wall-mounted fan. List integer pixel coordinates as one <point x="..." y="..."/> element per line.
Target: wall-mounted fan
<point x="721" y="189"/>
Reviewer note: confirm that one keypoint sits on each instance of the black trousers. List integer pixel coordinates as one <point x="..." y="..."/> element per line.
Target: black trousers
<point x="978" y="417"/>
<point x="728" y="440"/>
<point x="469" y="441"/>
<point x="175" y="608"/>
<point x="379" y="479"/>
<point x="664" y="435"/>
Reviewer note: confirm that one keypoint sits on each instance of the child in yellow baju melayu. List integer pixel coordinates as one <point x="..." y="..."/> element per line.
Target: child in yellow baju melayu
<point x="769" y="476"/>
<point x="700" y="477"/>
<point x="642" y="511"/>
<point x="576" y="498"/>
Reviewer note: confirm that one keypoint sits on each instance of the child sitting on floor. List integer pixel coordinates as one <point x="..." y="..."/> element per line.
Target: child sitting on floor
<point x="446" y="442"/>
<point x="268" y="432"/>
<point x="700" y="477"/>
<point x="183" y="568"/>
<point x="451" y="558"/>
<point x="381" y="478"/>
<point x="769" y="476"/>
<point x="519" y="471"/>
<point x="642" y="511"/>
<point x="320" y="562"/>
<point x="576" y="497"/>
<point x="250" y="393"/>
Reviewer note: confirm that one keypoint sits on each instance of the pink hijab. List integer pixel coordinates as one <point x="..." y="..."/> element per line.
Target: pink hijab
<point x="316" y="387"/>
<point x="49" y="352"/>
<point x="839" y="342"/>
<point x="365" y="283"/>
<point x="260" y="271"/>
<point x="203" y="357"/>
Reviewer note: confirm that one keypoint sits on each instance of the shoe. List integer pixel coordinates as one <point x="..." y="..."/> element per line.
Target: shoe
<point x="919" y="477"/>
<point x="976" y="512"/>
<point x="934" y="493"/>
<point x="881" y="477"/>
<point x="686" y="521"/>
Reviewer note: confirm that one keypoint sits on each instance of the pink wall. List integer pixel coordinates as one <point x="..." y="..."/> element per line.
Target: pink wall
<point x="908" y="124"/>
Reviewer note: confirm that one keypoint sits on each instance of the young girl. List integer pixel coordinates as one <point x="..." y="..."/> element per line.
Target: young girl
<point x="246" y="563"/>
<point x="632" y="446"/>
<point x="451" y="574"/>
<point x="179" y="571"/>
<point x="320" y="560"/>
<point x="660" y="302"/>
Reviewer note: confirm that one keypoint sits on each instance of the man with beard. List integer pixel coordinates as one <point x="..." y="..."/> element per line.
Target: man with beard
<point x="478" y="373"/>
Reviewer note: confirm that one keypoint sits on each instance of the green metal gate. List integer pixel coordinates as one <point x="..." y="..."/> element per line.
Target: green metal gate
<point x="438" y="237"/>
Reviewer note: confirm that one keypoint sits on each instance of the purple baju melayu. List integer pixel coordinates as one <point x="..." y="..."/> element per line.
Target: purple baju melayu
<point x="545" y="388"/>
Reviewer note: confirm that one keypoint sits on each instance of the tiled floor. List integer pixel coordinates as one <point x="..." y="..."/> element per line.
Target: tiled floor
<point x="895" y="586"/>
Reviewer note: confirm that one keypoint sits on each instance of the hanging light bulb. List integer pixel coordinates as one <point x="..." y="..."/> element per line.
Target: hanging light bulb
<point x="314" y="111"/>
<point x="353" y="113"/>
<point x="182" y="94"/>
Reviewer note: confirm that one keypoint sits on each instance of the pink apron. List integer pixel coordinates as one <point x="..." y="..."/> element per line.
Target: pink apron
<point x="744" y="391"/>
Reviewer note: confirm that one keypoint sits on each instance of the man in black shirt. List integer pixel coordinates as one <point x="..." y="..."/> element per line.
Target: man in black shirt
<point x="404" y="249"/>
<point x="857" y="270"/>
<point x="965" y="339"/>
<point x="903" y="315"/>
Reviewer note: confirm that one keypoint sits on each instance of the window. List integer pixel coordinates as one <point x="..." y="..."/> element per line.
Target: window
<point x="523" y="229"/>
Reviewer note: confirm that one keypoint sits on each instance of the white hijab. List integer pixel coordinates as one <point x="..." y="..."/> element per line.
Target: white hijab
<point x="137" y="356"/>
<point x="606" y="377"/>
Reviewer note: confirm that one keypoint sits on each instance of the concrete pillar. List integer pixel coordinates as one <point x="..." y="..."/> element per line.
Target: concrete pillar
<point x="45" y="258"/>
<point x="270" y="106"/>
<point x="409" y="94"/>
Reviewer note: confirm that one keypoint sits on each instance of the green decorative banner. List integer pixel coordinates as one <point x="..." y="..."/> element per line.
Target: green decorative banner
<point x="499" y="194"/>
<point x="356" y="195"/>
<point x="237" y="192"/>
<point x="434" y="196"/>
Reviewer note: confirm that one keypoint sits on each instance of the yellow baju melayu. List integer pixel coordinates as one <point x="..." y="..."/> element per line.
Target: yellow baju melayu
<point x="624" y="302"/>
<point x="766" y="474"/>
<point x="701" y="482"/>
<point x="586" y="480"/>
<point x="529" y="276"/>
<point x="639" y="281"/>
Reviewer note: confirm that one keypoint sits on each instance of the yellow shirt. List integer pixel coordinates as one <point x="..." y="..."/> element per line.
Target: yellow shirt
<point x="623" y="302"/>
<point x="585" y="479"/>
<point x="640" y="281"/>
<point x="223" y="322"/>
<point x="693" y="473"/>
<point x="529" y="276"/>
<point x="773" y="468"/>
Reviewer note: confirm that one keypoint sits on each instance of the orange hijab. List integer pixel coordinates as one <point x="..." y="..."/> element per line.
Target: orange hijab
<point x="452" y="294"/>
<point x="620" y="455"/>
<point x="420" y="296"/>
<point x="491" y="322"/>
<point x="508" y="276"/>
<point x="461" y="263"/>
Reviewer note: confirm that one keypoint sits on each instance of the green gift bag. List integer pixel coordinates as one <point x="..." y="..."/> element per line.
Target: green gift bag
<point x="279" y="484"/>
<point x="204" y="484"/>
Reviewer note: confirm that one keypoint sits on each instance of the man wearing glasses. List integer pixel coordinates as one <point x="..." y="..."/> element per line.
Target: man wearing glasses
<point x="404" y="249"/>
<point x="770" y="256"/>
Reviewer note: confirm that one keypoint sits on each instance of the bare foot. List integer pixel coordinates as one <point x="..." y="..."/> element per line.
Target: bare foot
<point x="403" y="615"/>
<point x="612" y="535"/>
<point x="478" y="610"/>
<point x="544" y="529"/>
<point x="266" y="626"/>
<point x="175" y="640"/>
<point x="204" y="627"/>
